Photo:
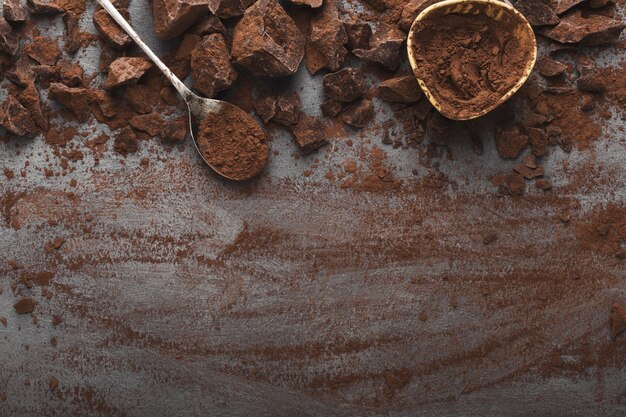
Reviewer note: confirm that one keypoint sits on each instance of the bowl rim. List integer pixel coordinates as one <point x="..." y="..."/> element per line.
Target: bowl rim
<point x="527" y="70"/>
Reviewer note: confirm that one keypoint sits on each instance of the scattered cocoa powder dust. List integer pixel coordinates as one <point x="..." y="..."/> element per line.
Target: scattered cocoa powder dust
<point x="233" y="143"/>
<point x="469" y="62"/>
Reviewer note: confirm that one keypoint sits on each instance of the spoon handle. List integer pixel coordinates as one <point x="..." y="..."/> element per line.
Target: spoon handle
<point x="176" y="82"/>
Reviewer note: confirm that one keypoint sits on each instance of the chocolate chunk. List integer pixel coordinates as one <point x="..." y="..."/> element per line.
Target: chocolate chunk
<point x="125" y="142"/>
<point x="384" y="47"/>
<point x="326" y="44"/>
<point x="537" y="12"/>
<point x="590" y="78"/>
<point x="107" y="104"/>
<point x="549" y="67"/>
<point x="9" y="40"/>
<point x="593" y="30"/>
<point x="226" y="9"/>
<point x="31" y="100"/>
<point x="175" y="130"/>
<point x="21" y="73"/>
<point x="76" y="100"/>
<point x="267" y="42"/>
<point x="376" y="4"/>
<point x="110" y="30"/>
<point x="13" y="11"/>
<point x="359" y="113"/>
<point x="411" y="10"/>
<point x="344" y="85"/>
<point x="598" y="4"/>
<point x="438" y="128"/>
<point x="149" y="123"/>
<point x="172" y="17"/>
<point x="587" y="102"/>
<point x="515" y="184"/>
<point x="538" y="140"/>
<point x="45" y="7"/>
<point x="359" y="35"/>
<point x="403" y="89"/>
<point x="207" y="26"/>
<point x="332" y="108"/>
<point x="543" y="184"/>
<point x="528" y="172"/>
<point x="181" y="65"/>
<point x="141" y="98"/>
<point x="561" y="6"/>
<point x="17" y="119"/>
<point x="43" y="50"/>
<point x="618" y="320"/>
<point x="71" y="74"/>
<point x="126" y="70"/>
<point x="287" y="109"/>
<point x="309" y="133"/>
<point x="169" y="96"/>
<point x="25" y="305"/>
<point x="74" y="37"/>
<point x="311" y="3"/>
<point x="510" y="142"/>
<point x="211" y="69"/>
<point x="265" y="107"/>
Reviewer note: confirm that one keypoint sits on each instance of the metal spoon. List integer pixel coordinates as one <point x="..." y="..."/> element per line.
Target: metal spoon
<point x="199" y="107"/>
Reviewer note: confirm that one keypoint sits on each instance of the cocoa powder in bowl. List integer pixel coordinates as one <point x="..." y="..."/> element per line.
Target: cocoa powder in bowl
<point x="232" y="143"/>
<point x="470" y="61"/>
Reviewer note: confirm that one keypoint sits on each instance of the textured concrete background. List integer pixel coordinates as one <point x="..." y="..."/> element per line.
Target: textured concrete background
<point x="184" y="295"/>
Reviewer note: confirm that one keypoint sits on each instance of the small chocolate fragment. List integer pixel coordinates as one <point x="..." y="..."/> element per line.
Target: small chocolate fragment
<point x="510" y="142"/>
<point x="74" y="37"/>
<point x="267" y="42"/>
<point x="126" y="70"/>
<point x="590" y="78"/>
<point x="384" y="47"/>
<point x="31" y="100"/>
<point x="587" y="102"/>
<point x="76" y="100"/>
<point x="359" y="35"/>
<point x="538" y="140"/>
<point x="141" y="98"/>
<point x="332" y="108"/>
<point x="311" y="3"/>
<point x="225" y="9"/>
<point x="344" y="85"/>
<point x="265" y="107"/>
<point x="537" y="12"/>
<point x="43" y="50"/>
<point x="181" y="65"/>
<point x="326" y="44"/>
<point x="515" y="184"/>
<point x="150" y="123"/>
<point x="411" y="10"/>
<point x="207" y="25"/>
<point x="543" y="184"/>
<point x="528" y="172"/>
<point x="110" y="30"/>
<point x="549" y="67"/>
<point x="71" y="74"/>
<point x="25" y="305"/>
<point x="16" y="119"/>
<point x="45" y="7"/>
<point x="403" y="89"/>
<point x="13" y="11"/>
<point x="175" y="131"/>
<point x="107" y="104"/>
<point x="125" y="142"/>
<point x="359" y="113"/>
<point x="211" y="69"/>
<point x="309" y="133"/>
<point x="173" y="17"/>
<point x="376" y="4"/>
<point x="593" y="30"/>
<point x="287" y="109"/>
<point x="618" y="320"/>
<point x="9" y="41"/>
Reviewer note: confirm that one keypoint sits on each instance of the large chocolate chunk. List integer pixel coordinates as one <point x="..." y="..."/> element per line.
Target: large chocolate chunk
<point x="344" y="85"/>
<point x="325" y="47"/>
<point x="287" y="109"/>
<point x="226" y="9"/>
<point x="126" y="70"/>
<point x="76" y="100"/>
<point x="593" y="30"/>
<point x="510" y="142"/>
<point x="359" y="113"/>
<point x="43" y="50"/>
<point x="125" y="142"/>
<point x="384" y="47"/>
<point x="309" y="133"/>
<point x="172" y="17"/>
<point x="403" y="89"/>
<point x="16" y="119"/>
<point x="13" y="11"/>
<point x="9" y="41"/>
<point x="110" y="30"/>
<point x="267" y="42"/>
<point x="31" y="100"/>
<point x="211" y="69"/>
<point x="359" y="35"/>
<point x="537" y="12"/>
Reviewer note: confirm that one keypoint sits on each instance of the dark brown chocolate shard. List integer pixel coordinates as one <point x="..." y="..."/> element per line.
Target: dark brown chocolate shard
<point x="379" y="5"/>
<point x="149" y="123"/>
<point x="411" y="10"/>
<point x="43" y="50"/>
<point x="515" y="185"/>
<point x="332" y="108"/>
<point x="309" y="133"/>
<point x="538" y="140"/>
<point x="561" y="6"/>
<point x="403" y="89"/>
<point x="108" y="105"/>
<point x="173" y="17"/>
<point x="45" y="7"/>
<point x="211" y="69"/>
<point x="327" y="40"/>
<point x="207" y="26"/>
<point x="359" y="113"/>
<point x="345" y="85"/>
<point x="226" y="9"/>
<point x="590" y="77"/>
<point x="267" y="42"/>
<point x="31" y="100"/>
<point x="21" y="73"/>
<point x="314" y="4"/>
<point x="110" y="30"/>
<point x="537" y="12"/>
<point x="71" y="74"/>
<point x="16" y="118"/>
<point x="14" y="11"/>
<point x="359" y="35"/>
<point x="175" y="131"/>
<point x="125" y="142"/>
<point x="9" y="40"/>
<point x="126" y="70"/>
<point x="141" y="98"/>
<point x="510" y="142"/>
<point x="384" y="47"/>
<point x="549" y="67"/>
<point x="287" y="109"/>
<point x="76" y="100"/>
<point x="181" y="61"/>
<point x="25" y="305"/>
<point x="265" y="107"/>
<point x="593" y="30"/>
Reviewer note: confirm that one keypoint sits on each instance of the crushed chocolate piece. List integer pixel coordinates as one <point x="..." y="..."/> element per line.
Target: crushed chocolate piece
<point x="537" y="12"/>
<point x="359" y="113"/>
<point x="126" y="70"/>
<point x="543" y="184"/>
<point x="309" y="133"/>
<point x="169" y="95"/>
<point x="181" y="65"/>
<point x="384" y="46"/>
<point x="71" y="74"/>
<point x="331" y="108"/>
<point x="110" y="30"/>
<point x="75" y="99"/>
<point x="13" y="11"/>
<point x="265" y="107"/>
<point x="43" y="50"/>
<point x="538" y="140"/>
<point x="267" y="42"/>
<point x="9" y="40"/>
<point x="618" y="320"/>
<point x="287" y="109"/>
<point x="125" y="142"/>
<point x="510" y="142"/>
<point x="25" y="305"/>
<point x="378" y="5"/>
<point x="173" y="17"/>
<point x="359" y="35"/>
<point x="226" y="9"/>
<point x="326" y="42"/>
<point x="45" y="7"/>
<point x="561" y="6"/>
<point x="207" y="25"/>
<point x="149" y="123"/>
<point x="175" y="131"/>
<point x="16" y="118"/>
<point x="141" y="98"/>
<point x="345" y="85"/>
<point x="411" y="10"/>
<point x="403" y="89"/>
<point x="529" y="172"/>
<point x="31" y="100"/>
<point x="591" y="79"/>
<point x="587" y="102"/>
<point x="592" y="30"/>
<point x="549" y="67"/>
<point x="211" y="69"/>
<point x="515" y="185"/>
